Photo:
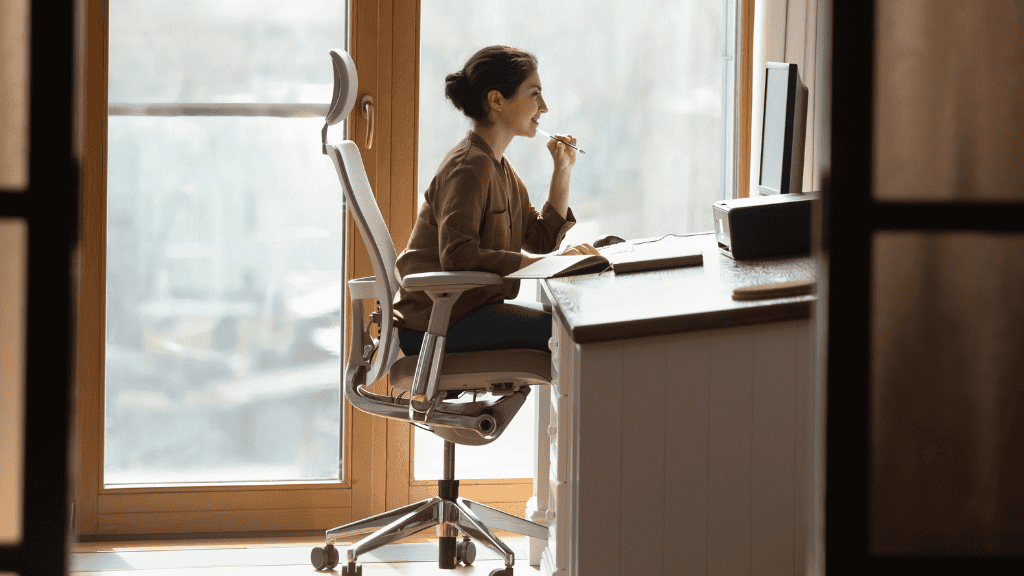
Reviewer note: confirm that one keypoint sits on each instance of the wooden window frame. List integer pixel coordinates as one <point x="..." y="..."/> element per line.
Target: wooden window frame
<point x="385" y="47"/>
<point x="101" y="512"/>
<point x="745" y="95"/>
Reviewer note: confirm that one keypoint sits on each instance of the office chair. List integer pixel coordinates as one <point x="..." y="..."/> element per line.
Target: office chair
<point x="429" y="389"/>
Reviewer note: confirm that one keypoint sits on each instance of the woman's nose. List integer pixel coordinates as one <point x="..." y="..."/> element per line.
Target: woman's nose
<point x="543" y="105"/>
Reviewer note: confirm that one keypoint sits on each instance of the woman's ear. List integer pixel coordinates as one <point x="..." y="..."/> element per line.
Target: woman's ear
<point x="495" y="100"/>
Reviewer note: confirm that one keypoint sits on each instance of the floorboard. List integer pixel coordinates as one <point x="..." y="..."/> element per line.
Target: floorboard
<point x="414" y="556"/>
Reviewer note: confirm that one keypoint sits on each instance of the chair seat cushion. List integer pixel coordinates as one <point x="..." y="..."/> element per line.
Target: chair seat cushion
<point x="480" y="370"/>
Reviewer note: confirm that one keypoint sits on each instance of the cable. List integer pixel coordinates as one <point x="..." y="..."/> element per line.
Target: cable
<point x="667" y="235"/>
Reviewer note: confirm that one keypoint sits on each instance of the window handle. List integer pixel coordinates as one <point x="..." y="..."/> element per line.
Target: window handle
<point x="366" y="109"/>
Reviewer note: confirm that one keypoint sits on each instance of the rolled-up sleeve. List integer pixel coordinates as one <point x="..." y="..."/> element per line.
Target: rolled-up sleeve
<point x="544" y="231"/>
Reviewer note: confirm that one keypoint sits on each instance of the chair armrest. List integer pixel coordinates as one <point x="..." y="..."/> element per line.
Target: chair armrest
<point x="444" y="288"/>
<point x="362" y="287"/>
<point x="449" y="281"/>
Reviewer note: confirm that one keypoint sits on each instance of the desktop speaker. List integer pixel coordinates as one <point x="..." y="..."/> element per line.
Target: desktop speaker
<point x="764" y="226"/>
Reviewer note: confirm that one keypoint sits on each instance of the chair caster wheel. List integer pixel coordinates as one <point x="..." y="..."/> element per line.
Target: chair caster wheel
<point x="351" y="569"/>
<point x="506" y="571"/>
<point x="325" y="558"/>
<point x="465" y="552"/>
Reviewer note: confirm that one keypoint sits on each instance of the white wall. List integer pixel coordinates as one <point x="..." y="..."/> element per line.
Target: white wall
<point x="795" y="31"/>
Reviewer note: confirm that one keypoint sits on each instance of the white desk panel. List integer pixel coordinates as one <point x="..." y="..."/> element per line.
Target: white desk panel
<point x="688" y="453"/>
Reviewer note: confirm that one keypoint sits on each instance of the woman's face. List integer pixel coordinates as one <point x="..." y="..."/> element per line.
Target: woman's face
<point x="521" y="113"/>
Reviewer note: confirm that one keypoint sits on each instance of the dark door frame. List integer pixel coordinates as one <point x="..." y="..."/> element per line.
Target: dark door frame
<point x="847" y="241"/>
<point x="49" y="206"/>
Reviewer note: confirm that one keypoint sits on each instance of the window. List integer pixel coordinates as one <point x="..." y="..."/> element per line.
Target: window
<point x="244" y="159"/>
<point x="224" y="244"/>
<point x="647" y="90"/>
<point x="261" y="114"/>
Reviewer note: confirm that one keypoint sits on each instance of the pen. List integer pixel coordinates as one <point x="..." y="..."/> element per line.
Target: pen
<point x="543" y="133"/>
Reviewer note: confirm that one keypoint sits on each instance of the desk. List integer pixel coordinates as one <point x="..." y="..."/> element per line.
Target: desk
<point x="676" y="437"/>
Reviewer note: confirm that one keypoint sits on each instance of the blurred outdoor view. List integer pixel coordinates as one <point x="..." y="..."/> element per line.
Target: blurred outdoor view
<point x="644" y="87"/>
<point x="224" y="220"/>
<point x="224" y="243"/>
<point x="647" y="90"/>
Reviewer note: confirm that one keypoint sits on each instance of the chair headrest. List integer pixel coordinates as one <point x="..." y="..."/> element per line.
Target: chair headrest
<point x="346" y="87"/>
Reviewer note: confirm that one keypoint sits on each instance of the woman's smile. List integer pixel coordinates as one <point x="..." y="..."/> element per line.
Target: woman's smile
<point x="526" y="104"/>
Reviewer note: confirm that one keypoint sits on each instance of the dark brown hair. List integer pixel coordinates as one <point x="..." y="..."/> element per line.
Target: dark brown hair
<point x="500" y="68"/>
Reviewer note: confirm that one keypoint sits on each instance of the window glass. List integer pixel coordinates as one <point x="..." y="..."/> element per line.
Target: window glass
<point x="223" y="51"/>
<point x="510" y="456"/>
<point x="645" y="87"/>
<point x="639" y="84"/>
<point x="224" y="245"/>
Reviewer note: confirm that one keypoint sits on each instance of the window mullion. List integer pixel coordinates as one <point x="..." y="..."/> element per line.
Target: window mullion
<point x="275" y="110"/>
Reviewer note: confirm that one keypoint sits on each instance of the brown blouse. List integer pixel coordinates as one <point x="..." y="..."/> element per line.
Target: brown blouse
<point x="476" y="216"/>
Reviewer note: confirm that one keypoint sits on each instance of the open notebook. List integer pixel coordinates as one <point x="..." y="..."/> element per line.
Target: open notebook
<point x="669" y="256"/>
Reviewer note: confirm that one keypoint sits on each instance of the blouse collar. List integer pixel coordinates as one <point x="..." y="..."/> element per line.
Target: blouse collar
<point x="482" y="144"/>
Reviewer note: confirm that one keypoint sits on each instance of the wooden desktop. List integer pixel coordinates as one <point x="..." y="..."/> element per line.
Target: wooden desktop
<point x="676" y="437"/>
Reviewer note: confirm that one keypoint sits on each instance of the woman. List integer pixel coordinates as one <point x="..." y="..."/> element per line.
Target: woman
<point x="477" y="214"/>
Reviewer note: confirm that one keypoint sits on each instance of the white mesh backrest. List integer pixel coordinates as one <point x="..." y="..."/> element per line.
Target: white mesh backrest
<point x="370" y="223"/>
<point x="366" y="213"/>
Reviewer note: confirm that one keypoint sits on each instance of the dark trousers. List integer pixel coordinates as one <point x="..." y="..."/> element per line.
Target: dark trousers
<point x="498" y="326"/>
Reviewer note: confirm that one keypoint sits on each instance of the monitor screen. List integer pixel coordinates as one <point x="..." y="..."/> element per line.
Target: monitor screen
<point x="782" y="136"/>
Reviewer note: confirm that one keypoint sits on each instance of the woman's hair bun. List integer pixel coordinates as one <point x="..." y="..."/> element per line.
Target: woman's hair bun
<point x="500" y="68"/>
<point x="456" y="88"/>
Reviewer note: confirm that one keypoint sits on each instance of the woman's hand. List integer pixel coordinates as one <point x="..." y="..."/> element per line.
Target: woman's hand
<point x="565" y="159"/>
<point x="564" y="156"/>
<point x="579" y="249"/>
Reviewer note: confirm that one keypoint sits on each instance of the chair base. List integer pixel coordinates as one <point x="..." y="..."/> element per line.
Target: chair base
<point x="453" y="516"/>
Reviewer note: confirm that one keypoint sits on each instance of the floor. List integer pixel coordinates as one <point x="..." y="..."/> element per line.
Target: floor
<point x="414" y="556"/>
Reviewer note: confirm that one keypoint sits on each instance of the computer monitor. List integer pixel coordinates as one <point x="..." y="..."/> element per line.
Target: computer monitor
<point x="782" y="135"/>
